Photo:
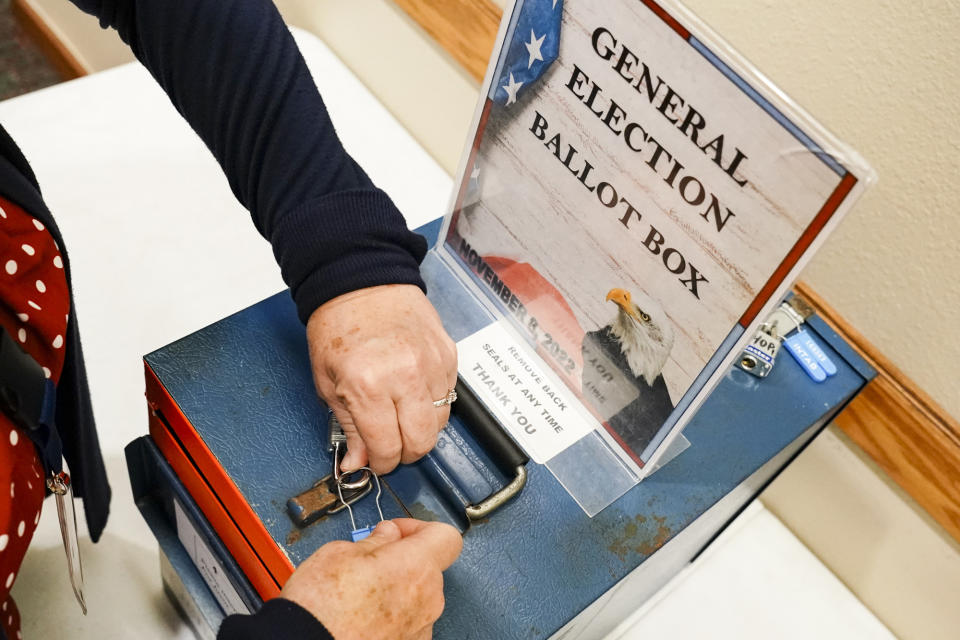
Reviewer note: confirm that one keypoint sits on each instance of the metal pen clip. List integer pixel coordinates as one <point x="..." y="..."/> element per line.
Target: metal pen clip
<point x="59" y="484"/>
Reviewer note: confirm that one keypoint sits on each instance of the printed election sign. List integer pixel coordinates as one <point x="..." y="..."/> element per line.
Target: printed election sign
<point x="635" y="201"/>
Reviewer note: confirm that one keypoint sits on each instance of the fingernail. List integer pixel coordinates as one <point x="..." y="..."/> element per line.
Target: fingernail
<point x="385" y="528"/>
<point x="349" y="462"/>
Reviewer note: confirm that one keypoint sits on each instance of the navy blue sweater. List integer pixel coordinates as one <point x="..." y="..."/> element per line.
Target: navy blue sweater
<point x="233" y="70"/>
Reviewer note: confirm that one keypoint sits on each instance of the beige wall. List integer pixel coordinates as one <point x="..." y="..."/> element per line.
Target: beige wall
<point x="423" y="87"/>
<point x="884" y="77"/>
<point x="93" y="47"/>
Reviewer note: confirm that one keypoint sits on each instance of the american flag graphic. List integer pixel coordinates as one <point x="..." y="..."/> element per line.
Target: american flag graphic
<point x="533" y="47"/>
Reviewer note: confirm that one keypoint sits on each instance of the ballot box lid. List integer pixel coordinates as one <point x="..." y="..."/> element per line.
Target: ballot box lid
<point x="235" y="414"/>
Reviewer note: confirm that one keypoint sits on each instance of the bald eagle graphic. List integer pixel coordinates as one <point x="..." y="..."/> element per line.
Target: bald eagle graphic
<point x="622" y="369"/>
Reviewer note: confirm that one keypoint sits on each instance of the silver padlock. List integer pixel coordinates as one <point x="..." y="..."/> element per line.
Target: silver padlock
<point x="758" y="357"/>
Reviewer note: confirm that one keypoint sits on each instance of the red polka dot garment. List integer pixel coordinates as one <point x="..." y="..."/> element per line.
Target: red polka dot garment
<point x="34" y="303"/>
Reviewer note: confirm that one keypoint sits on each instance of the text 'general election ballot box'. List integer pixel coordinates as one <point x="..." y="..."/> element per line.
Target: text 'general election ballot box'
<point x="632" y="207"/>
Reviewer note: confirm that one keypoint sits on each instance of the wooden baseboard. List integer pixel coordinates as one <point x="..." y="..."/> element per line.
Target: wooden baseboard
<point x="59" y="55"/>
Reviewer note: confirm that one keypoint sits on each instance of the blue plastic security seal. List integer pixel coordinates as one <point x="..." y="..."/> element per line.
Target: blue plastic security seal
<point x="360" y="534"/>
<point x="799" y="347"/>
<point x="819" y="354"/>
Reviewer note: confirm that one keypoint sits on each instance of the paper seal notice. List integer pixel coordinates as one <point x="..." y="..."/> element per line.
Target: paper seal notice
<point x="535" y="407"/>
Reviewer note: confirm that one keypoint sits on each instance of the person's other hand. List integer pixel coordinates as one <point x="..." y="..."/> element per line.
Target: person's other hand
<point x="380" y="358"/>
<point x="386" y="586"/>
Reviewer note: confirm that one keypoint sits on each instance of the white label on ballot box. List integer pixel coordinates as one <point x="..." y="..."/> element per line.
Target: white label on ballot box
<point x="535" y="407"/>
<point x="207" y="564"/>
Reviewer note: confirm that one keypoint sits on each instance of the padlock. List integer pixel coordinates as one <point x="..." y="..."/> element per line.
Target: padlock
<point x="758" y="357"/>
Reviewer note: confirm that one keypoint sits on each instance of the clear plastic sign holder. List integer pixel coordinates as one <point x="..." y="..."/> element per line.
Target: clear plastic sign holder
<point x="634" y="198"/>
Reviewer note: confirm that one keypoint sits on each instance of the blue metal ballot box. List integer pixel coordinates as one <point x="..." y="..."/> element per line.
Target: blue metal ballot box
<point x="237" y="429"/>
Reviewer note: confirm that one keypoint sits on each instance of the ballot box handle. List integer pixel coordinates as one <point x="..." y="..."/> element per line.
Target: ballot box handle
<point x="497" y="499"/>
<point x="505" y="453"/>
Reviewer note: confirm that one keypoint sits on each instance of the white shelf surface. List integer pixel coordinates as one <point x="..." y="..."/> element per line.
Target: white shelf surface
<point x="756" y="582"/>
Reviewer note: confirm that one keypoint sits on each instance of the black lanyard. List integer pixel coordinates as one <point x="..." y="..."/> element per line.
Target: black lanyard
<point x="29" y="398"/>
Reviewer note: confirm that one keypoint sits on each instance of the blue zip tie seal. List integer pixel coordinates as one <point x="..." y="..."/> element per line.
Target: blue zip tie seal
<point x="360" y="534"/>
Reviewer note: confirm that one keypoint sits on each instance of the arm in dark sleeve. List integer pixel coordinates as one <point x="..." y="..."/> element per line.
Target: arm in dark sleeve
<point x="278" y="619"/>
<point x="233" y="70"/>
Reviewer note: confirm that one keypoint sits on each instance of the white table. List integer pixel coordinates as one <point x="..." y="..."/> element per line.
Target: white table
<point x="160" y="248"/>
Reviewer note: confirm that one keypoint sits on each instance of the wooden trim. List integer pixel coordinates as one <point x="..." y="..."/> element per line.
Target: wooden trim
<point x="52" y="46"/>
<point x="913" y="439"/>
<point x="466" y="29"/>
<point x="895" y="422"/>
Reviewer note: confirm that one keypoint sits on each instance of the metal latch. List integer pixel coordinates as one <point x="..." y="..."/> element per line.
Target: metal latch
<point x="323" y="499"/>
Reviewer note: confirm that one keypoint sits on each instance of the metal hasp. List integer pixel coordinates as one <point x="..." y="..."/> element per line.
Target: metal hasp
<point x="495" y="442"/>
<point x="334" y="492"/>
<point x="322" y="500"/>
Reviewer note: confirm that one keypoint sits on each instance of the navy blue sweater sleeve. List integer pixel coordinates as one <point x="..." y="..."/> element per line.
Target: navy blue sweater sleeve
<point x="233" y="70"/>
<point x="277" y="619"/>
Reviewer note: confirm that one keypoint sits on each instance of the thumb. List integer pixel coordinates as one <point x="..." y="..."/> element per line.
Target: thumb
<point x="384" y="533"/>
<point x="435" y="543"/>
<point x="356" y="455"/>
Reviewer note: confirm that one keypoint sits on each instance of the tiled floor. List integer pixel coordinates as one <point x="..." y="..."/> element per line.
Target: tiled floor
<point x="23" y="66"/>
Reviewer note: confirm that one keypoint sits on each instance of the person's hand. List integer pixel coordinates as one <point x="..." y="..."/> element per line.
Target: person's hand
<point x="380" y="358"/>
<point x="386" y="586"/>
